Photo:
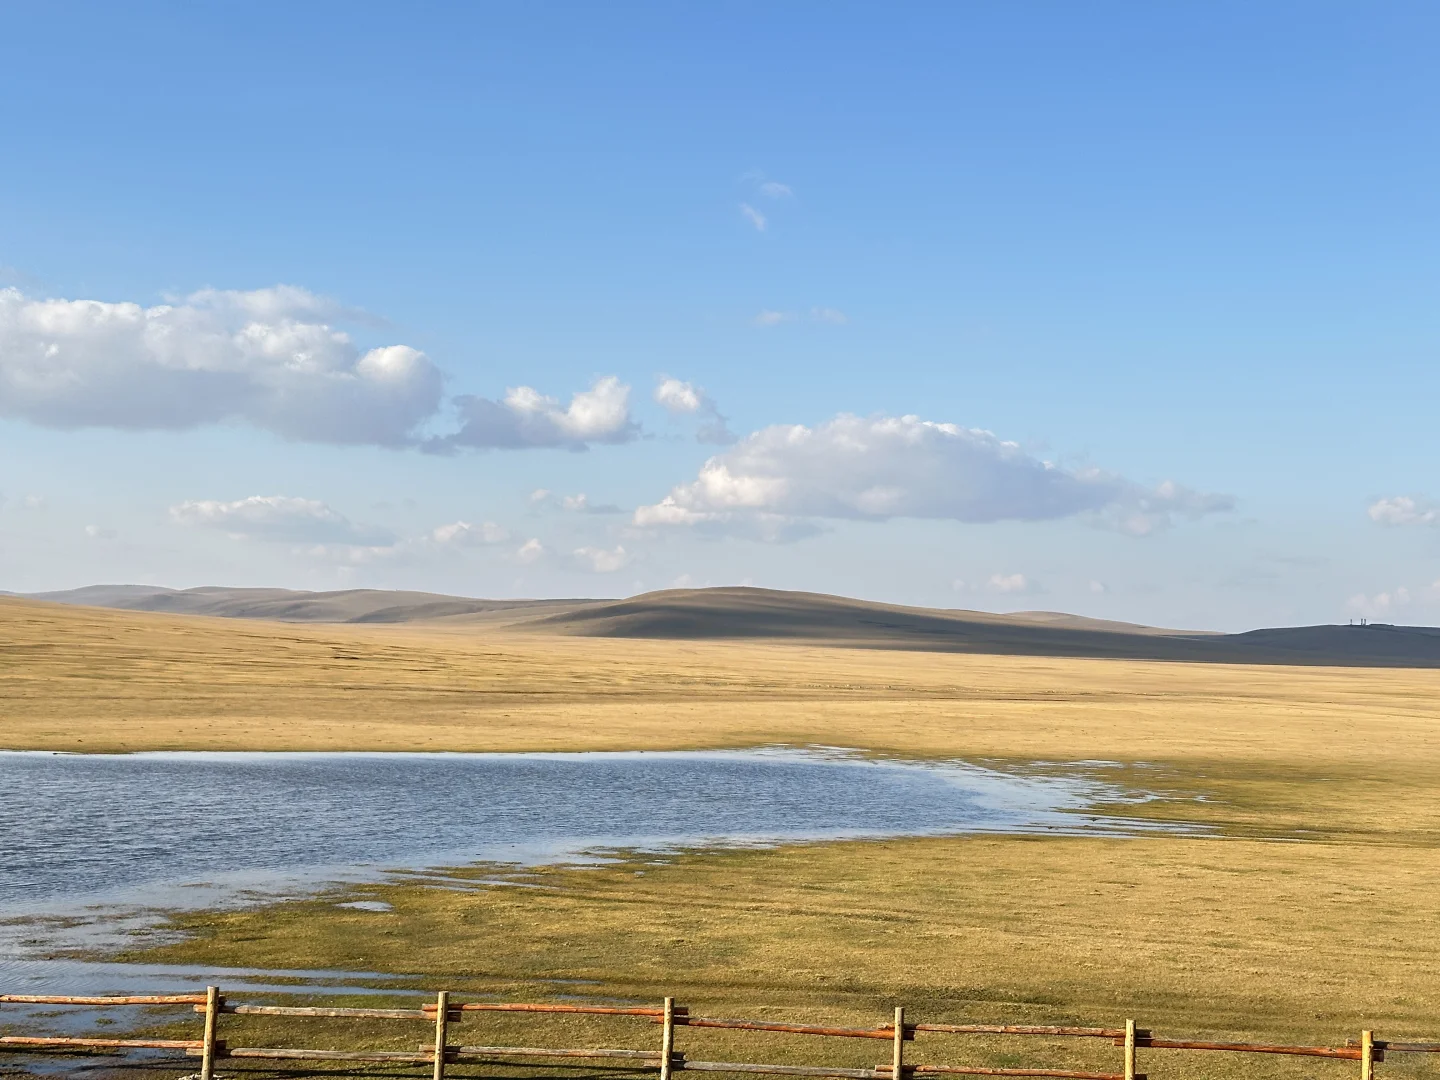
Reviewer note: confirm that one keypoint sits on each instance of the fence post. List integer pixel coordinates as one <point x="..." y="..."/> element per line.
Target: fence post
<point x="207" y="1046"/>
<point x="667" y="1038"/>
<point x="897" y="1054"/>
<point x="442" y="1020"/>
<point x="1129" y="1050"/>
<point x="1367" y="1055"/>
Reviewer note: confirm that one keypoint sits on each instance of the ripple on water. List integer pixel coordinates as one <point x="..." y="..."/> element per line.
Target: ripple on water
<point x="126" y="836"/>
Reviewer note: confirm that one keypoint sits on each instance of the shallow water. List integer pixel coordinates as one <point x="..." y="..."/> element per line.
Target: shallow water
<point x="185" y="829"/>
<point x="94" y="848"/>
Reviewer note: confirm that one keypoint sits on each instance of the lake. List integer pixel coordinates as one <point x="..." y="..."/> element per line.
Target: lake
<point x="192" y="828"/>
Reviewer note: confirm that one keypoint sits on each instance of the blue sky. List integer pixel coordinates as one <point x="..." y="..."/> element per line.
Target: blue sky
<point x="1156" y="285"/>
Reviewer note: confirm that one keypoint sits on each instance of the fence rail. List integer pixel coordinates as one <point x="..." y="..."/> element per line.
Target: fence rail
<point x="666" y="1059"/>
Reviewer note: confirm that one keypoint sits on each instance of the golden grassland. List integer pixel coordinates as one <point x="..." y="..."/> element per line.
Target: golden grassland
<point x="1316" y="910"/>
<point x="1309" y="942"/>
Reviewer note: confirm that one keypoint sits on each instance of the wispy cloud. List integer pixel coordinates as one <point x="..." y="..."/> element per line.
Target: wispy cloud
<point x="278" y="518"/>
<point x="832" y="316"/>
<point x="1013" y="584"/>
<point x="544" y="498"/>
<point x="1392" y="603"/>
<point x="464" y="534"/>
<point x="773" y="189"/>
<point x="755" y="217"/>
<point x="1405" y="510"/>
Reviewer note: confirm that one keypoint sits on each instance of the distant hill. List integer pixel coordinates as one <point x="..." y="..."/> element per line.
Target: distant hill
<point x="746" y="613"/>
<point x="287" y="605"/>
<point x="765" y="613"/>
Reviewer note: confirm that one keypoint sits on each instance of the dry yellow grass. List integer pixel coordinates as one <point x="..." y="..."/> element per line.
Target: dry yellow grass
<point x="1277" y="749"/>
<point x="1304" y="941"/>
<point x="1237" y="935"/>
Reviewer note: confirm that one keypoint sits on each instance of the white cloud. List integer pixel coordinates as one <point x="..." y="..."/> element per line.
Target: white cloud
<point x="1405" y="510"/>
<point x="755" y="217"/>
<point x="877" y="468"/>
<point x="531" y="551"/>
<point x="1010" y="583"/>
<point x="95" y="532"/>
<point x="774" y="190"/>
<point x="527" y="418"/>
<point x="464" y="534"/>
<point x="679" y="397"/>
<point x="1099" y="588"/>
<point x="682" y="398"/>
<point x="267" y="358"/>
<point x="1142" y="512"/>
<point x="828" y="315"/>
<point x="599" y="560"/>
<point x="772" y="318"/>
<point x="281" y="518"/>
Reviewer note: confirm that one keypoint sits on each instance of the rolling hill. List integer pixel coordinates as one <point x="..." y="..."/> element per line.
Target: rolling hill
<point x="761" y="614"/>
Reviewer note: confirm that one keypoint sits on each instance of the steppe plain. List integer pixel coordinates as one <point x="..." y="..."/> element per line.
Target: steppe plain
<point x="1309" y="910"/>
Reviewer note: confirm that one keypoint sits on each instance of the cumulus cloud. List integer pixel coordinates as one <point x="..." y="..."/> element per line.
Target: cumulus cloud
<point x="531" y="551"/>
<point x="268" y="357"/>
<point x="599" y="560"/>
<point x="527" y="418"/>
<point x="876" y="468"/>
<point x="279" y="518"/>
<point x="464" y="534"/>
<point x="680" y="398"/>
<point x="1405" y="510"/>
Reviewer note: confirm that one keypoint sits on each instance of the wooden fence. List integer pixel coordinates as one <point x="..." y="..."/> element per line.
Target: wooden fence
<point x="440" y="1015"/>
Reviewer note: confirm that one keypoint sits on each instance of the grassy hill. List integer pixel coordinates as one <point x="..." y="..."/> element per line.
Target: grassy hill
<point x="769" y="614"/>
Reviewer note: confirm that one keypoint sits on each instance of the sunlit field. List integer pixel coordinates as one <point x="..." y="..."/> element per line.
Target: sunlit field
<point x="1308" y="910"/>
